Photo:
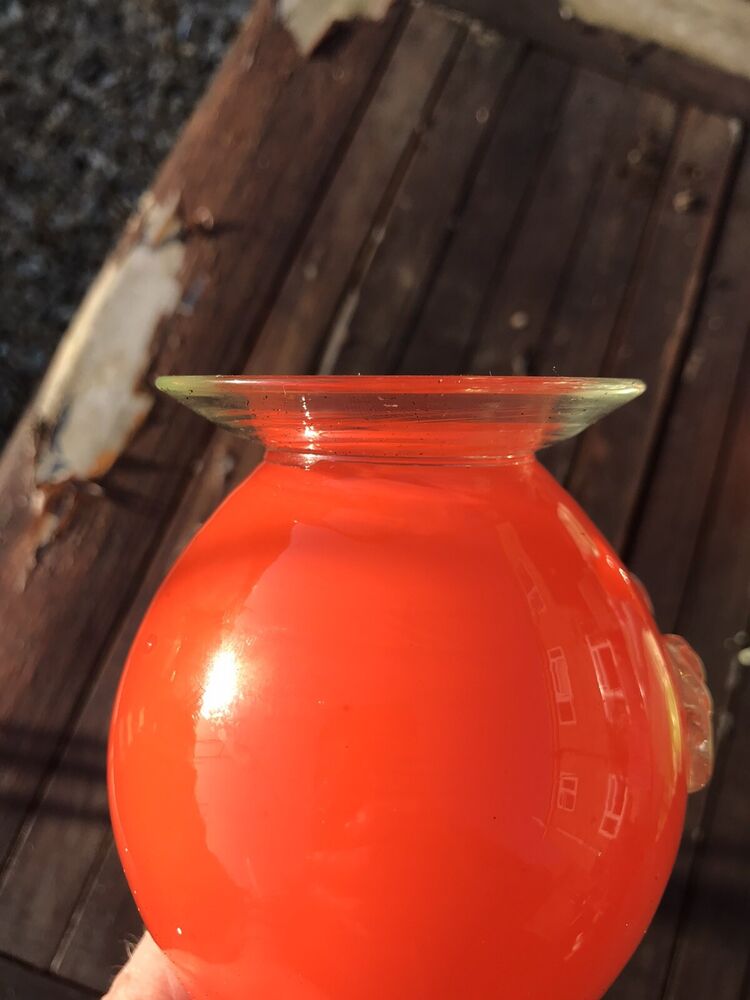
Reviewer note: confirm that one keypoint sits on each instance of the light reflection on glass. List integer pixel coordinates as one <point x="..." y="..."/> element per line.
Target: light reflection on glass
<point x="607" y="672"/>
<point x="567" y="792"/>
<point x="614" y="807"/>
<point x="309" y="431"/>
<point x="558" y="667"/>
<point x="582" y="538"/>
<point x="576" y="946"/>
<point x="222" y="684"/>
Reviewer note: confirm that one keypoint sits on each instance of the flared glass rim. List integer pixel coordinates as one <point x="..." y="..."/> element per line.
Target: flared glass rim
<point x="403" y="417"/>
<point x="543" y="385"/>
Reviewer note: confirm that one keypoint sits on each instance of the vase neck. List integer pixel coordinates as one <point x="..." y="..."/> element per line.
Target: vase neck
<point x="392" y="457"/>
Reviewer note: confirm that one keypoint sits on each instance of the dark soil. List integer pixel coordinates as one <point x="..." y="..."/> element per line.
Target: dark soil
<point x="92" y="95"/>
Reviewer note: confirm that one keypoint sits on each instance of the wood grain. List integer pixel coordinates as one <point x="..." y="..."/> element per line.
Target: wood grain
<point x="107" y="921"/>
<point x="524" y="124"/>
<point x="714" y="610"/>
<point x="19" y="982"/>
<point x="388" y="296"/>
<point x="608" y="474"/>
<point x="354" y="210"/>
<point x="711" y="957"/>
<point x="516" y="314"/>
<point x="628" y="59"/>
<point x="672" y="519"/>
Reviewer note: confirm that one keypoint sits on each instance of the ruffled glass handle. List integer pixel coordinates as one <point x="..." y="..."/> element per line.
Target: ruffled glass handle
<point x="690" y="682"/>
<point x="689" y="676"/>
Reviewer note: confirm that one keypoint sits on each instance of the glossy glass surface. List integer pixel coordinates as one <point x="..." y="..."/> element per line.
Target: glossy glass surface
<point x="464" y="418"/>
<point x="397" y="731"/>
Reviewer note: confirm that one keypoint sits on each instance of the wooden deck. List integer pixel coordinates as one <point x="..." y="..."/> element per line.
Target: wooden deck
<point x="421" y="196"/>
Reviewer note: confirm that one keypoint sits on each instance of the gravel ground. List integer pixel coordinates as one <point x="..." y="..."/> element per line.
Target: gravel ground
<point x="92" y="95"/>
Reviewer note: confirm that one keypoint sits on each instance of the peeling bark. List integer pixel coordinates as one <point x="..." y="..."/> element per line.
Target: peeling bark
<point x="714" y="31"/>
<point x="93" y="399"/>
<point x="309" y="21"/>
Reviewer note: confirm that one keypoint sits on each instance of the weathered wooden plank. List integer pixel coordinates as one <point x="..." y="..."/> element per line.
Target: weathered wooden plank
<point x="19" y="982"/>
<point x="614" y="456"/>
<point x="578" y="334"/>
<point x="73" y="553"/>
<point x="523" y="125"/>
<point x="713" y="947"/>
<point x="56" y="853"/>
<point x="385" y="300"/>
<point x="715" y="616"/>
<point x="358" y="200"/>
<point x="672" y="517"/>
<point x="105" y="924"/>
<point x="715" y="606"/>
<point x="625" y="58"/>
<point x="713" y="611"/>
<point x="515" y="316"/>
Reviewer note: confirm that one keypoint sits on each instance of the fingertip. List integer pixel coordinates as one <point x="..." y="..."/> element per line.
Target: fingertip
<point x="148" y="973"/>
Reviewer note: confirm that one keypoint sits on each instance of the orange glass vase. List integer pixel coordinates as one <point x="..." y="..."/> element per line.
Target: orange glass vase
<point x="399" y="724"/>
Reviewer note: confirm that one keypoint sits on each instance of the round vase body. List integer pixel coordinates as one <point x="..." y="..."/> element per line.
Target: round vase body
<point x="398" y="730"/>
